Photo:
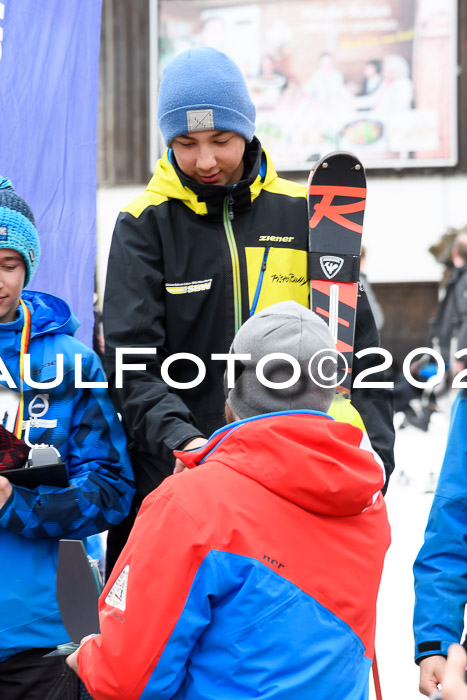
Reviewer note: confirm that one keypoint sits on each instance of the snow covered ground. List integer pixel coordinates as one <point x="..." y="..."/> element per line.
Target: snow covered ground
<point x="418" y="461"/>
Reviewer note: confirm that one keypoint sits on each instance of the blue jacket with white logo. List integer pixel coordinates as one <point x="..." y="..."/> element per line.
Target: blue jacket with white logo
<point x="83" y="425"/>
<point x="441" y="565"/>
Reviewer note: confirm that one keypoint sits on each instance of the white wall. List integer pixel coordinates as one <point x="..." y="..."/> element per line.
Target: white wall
<point x="404" y="217"/>
<point x="110" y="200"/>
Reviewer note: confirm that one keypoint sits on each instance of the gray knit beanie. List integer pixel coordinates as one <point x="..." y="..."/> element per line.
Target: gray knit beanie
<point x="203" y="89"/>
<point x="291" y="329"/>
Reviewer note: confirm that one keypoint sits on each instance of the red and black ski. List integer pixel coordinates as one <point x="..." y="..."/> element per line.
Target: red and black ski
<point x="336" y="205"/>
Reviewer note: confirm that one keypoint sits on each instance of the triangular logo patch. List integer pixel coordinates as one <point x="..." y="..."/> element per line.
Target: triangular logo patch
<point x="331" y="265"/>
<point x="117" y="594"/>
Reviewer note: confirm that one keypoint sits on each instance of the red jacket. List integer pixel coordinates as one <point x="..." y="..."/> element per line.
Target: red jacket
<point x="254" y="574"/>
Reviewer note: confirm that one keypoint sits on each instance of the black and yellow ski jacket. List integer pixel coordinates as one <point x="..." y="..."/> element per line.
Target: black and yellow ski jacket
<point x="189" y="263"/>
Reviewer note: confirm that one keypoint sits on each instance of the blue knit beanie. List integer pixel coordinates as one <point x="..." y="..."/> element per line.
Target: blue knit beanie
<point x="203" y="89"/>
<point x="18" y="229"/>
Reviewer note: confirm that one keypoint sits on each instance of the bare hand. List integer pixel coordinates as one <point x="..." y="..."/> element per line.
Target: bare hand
<point x="72" y="660"/>
<point x="196" y="442"/>
<point x="454" y="686"/>
<point x="5" y="490"/>
<point x="431" y="673"/>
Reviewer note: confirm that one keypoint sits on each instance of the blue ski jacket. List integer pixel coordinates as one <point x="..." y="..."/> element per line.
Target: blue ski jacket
<point x="440" y="568"/>
<point x="83" y="425"/>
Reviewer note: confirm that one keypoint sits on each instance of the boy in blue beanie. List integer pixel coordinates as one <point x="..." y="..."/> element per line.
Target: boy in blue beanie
<point x="216" y="237"/>
<point x="41" y="403"/>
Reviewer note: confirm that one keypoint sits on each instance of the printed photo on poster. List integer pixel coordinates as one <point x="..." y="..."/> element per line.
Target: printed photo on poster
<point x="377" y="78"/>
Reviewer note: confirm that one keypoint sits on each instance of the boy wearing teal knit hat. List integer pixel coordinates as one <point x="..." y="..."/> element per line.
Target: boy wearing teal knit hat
<point x="19" y="249"/>
<point x="41" y="404"/>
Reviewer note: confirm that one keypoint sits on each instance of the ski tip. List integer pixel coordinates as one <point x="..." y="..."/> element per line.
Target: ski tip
<point x="342" y="161"/>
<point x="326" y="160"/>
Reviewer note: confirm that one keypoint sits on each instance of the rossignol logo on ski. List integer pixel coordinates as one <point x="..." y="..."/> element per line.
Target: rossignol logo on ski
<point x="336" y="212"/>
<point x="331" y="265"/>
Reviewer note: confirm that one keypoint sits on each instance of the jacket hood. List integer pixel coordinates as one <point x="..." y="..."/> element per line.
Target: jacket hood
<point x="319" y="464"/>
<point x="49" y="314"/>
<point x="169" y="182"/>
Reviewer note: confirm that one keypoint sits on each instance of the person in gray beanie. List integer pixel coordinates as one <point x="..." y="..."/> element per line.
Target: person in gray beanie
<point x="232" y="577"/>
<point x="302" y="376"/>
<point x="216" y="237"/>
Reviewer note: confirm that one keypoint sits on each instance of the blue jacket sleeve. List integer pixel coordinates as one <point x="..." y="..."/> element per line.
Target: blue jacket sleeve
<point x="101" y="478"/>
<point x="440" y="568"/>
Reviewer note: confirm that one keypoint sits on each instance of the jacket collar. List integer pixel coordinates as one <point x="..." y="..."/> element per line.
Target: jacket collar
<point x="306" y="457"/>
<point x="168" y="182"/>
<point x="214" y="196"/>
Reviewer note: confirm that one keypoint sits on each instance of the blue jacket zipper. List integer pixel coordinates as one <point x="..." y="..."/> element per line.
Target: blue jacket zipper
<point x="260" y="281"/>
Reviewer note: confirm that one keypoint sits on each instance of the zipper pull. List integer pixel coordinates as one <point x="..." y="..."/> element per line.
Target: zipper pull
<point x="265" y="259"/>
<point x="230" y="203"/>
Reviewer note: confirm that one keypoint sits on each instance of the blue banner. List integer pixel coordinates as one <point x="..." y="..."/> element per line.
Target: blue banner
<point x="49" y="72"/>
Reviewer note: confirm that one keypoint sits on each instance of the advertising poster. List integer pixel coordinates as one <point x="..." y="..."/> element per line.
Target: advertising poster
<point x="376" y="77"/>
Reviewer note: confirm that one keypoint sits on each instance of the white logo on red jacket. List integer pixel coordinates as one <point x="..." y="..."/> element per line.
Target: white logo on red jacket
<point x="116" y="597"/>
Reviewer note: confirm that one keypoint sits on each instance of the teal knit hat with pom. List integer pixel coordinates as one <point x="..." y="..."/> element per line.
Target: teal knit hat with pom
<point x="18" y="229"/>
